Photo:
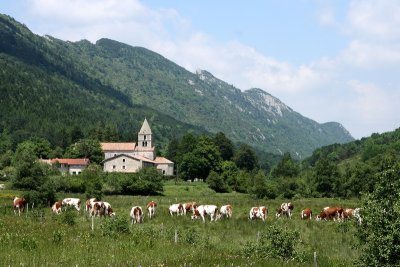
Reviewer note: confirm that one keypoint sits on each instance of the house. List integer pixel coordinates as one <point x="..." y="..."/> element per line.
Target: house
<point x="130" y="157"/>
<point x="71" y="166"/>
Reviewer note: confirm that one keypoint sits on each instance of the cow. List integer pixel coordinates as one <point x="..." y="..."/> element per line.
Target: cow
<point x="258" y="213"/>
<point x="176" y="208"/>
<point x="189" y="206"/>
<point x="89" y="204"/>
<point x="285" y="209"/>
<point x="204" y="210"/>
<point x="225" y="211"/>
<point x="151" y="209"/>
<point x="306" y="214"/>
<point x="331" y="213"/>
<point x="136" y="214"/>
<point x="19" y="204"/>
<point x="107" y="209"/>
<point x="56" y="208"/>
<point x="352" y="213"/>
<point x="72" y="202"/>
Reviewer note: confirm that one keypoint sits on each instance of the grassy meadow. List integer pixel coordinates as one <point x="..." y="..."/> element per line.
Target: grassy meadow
<point x="39" y="238"/>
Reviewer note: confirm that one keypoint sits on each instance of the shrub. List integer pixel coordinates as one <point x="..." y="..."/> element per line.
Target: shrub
<point x="69" y="216"/>
<point x="275" y="242"/>
<point x="114" y="226"/>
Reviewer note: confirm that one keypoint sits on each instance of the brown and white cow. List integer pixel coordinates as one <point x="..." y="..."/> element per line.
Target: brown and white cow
<point x="204" y="210"/>
<point x="19" y="204"/>
<point x="352" y="213"/>
<point x="189" y="207"/>
<point x="285" y="209"/>
<point x="306" y="214"/>
<point x="331" y="213"/>
<point x="101" y="208"/>
<point x="136" y="214"/>
<point x="72" y="202"/>
<point x="225" y="211"/>
<point x="56" y="208"/>
<point x="176" y="208"/>
<point x="89" y="204"/>
<point x="151" y="209"/>
<point x="258" y="213"/>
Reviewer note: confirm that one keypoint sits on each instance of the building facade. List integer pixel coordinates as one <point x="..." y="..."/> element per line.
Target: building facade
<point x="130" y="157"/>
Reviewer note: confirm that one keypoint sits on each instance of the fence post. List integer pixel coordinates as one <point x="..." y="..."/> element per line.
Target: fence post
<point x="258" y="236"/>
<point x="176" y="236"/>
<point x="92" y="223"/>
<point x="315" y="259"/>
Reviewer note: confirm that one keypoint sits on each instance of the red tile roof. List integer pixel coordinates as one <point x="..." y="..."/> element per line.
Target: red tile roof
<point x="118" y="146"/>
<point x="67" y="161"/>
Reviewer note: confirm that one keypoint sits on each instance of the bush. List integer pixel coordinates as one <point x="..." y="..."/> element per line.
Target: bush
<point x="69" y="216"/>
<point x="275" y="242"/>
<point x="114" y="226"/>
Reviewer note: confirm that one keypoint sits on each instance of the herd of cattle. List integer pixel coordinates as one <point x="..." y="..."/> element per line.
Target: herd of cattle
<point x="102" y="208"/>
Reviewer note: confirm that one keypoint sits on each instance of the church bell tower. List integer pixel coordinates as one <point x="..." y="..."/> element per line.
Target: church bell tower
<point x="145" y="135"/>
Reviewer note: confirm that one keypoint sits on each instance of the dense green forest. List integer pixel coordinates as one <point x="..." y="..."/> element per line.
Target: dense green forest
<point x="51" y="88"/>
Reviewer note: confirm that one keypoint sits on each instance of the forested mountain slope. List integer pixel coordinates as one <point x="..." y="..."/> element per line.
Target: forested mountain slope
<point x="50" y="84"/>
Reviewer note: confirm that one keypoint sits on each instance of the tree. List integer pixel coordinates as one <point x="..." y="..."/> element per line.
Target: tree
<point x="204" y="158"/>
<point x="326" y="177"/>
<point x="92" y="181"/>
<point x="380" y="230"/>
<point x="217" y="183"/>
<point x="86" y="148"/>
<point x="172" y="150"/>
<point x="287" y="167"/>
<point x="147" y="181"/>
<point x="245" y="158"/>
<point x="225" y="146"/>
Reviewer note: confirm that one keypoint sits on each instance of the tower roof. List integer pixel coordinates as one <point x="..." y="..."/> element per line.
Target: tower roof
<point x="145" y="128"/>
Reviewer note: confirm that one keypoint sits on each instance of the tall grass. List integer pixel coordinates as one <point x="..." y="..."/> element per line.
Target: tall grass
<point x="42" y="239"/>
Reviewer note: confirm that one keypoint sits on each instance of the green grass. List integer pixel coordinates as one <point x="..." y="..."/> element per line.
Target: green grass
<point x="42" y="239"/>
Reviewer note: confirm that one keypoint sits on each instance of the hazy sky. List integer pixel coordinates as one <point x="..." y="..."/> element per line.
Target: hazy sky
<point x="328" y="60"/>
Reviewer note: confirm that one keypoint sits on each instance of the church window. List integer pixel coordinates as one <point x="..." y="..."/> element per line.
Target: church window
<point x="123" y="160"/>
<point x="124" y="167"/>
<point x="144" y="137"/>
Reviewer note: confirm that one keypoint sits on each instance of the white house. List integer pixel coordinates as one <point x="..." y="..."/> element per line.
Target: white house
<point x="130" y="157"/>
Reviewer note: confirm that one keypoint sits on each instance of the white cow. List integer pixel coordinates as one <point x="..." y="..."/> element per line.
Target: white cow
<point x="74" y="202"/>
<point x="176" y="208"/>
<point x="136" y="214"/>
<point x="204" y="210"/>
<point x="258" y="213"/>
<point x="225" y="211"/>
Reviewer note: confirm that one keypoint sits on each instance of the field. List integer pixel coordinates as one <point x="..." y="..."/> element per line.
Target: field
<point x="38" y="238"/>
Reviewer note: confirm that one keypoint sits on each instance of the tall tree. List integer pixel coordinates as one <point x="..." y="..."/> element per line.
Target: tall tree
<point x="225" y="146"/>
<point x="245" y="158"/>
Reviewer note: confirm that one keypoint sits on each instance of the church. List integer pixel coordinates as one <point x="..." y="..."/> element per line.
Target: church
<point x="130" y="157"/>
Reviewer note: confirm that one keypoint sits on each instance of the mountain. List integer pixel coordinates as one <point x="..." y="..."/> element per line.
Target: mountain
<point x="130" y="78"/>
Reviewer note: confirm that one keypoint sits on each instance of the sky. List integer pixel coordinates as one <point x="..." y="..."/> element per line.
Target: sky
<point x="329" y="60"/>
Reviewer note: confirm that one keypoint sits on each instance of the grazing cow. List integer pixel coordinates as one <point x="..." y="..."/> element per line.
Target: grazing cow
<point x="258" y="213"/>
<point x="189" y="206"/>
<point x="225" y="211"/>
<point x="352" y="213"/>
<point x="19" y="204"/>
<point x="285" y="209"/>
<point x="107" y="209"/>
<point x="73" y="202"/>
<point x="306" y="214"/>
<point x="56" y="208"/>
<point x="331" y="213"/>
<point x="136" y="214"/>
<point x="151" y="208"/>
<point x="203" y="210"/>
<point x="176" y="208"/>
<point x="89" y="204"/>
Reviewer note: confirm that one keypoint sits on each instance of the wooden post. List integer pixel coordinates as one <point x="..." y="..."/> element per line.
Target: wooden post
<point x="176" y="236"/>
<point x="258" y="236"/>
<point x="92" y="223"/>
<point x="315" y="259"/>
